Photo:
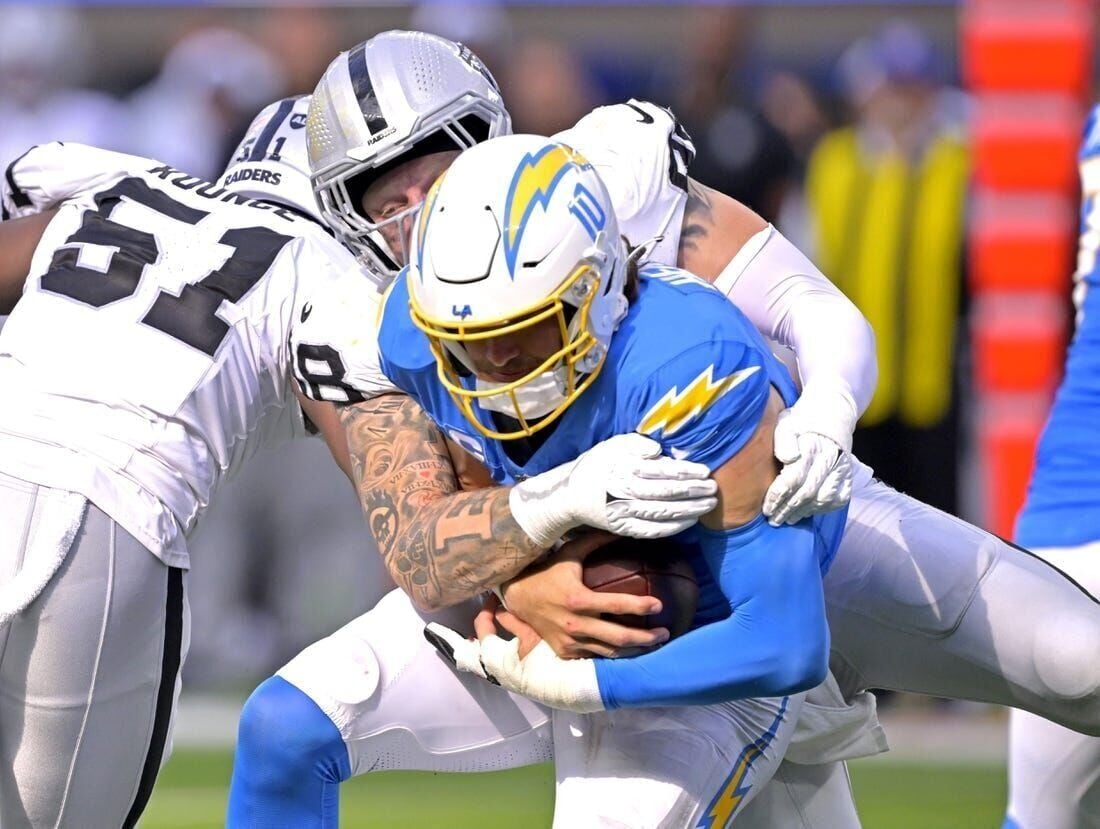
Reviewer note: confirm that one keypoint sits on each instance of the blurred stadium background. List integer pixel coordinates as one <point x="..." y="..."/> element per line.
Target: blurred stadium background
<point x="921" y="153"/>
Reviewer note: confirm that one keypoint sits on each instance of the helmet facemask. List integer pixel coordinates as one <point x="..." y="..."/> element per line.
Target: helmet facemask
<point x="541" y="396"/>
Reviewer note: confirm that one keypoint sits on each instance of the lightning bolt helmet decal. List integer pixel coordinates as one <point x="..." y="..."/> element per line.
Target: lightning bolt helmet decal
<point x="533" y="184"/>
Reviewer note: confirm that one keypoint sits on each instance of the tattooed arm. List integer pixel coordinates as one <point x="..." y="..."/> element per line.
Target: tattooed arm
<point x="440" y="545"/>
<point x="715" y="227"/>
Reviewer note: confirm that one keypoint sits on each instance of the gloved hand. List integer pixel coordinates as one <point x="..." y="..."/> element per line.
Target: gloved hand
<point x="569" y="684"/>
<point x="623" y="485"/>
<point x="813" y="441"/>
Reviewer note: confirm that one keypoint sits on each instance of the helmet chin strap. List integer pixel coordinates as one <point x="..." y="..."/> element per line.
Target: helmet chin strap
<point x="536" y="399"/>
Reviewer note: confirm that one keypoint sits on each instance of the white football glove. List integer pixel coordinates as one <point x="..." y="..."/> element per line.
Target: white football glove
<point x="813" y="441"/>
<point x="568" y="684"/>
<point x="623" y="485"/>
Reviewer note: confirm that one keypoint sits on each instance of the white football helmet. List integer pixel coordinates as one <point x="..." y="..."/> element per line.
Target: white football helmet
<point x="270" y="162"/>
<point x="519" y="230"/>
<point x="393" y="98"/>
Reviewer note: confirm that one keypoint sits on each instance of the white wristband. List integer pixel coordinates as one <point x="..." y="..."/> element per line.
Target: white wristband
<point x="532" y="504"/>
<point x="829" y="410"/>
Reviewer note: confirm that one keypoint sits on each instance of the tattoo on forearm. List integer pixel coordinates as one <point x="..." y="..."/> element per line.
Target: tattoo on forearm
<point x="698" y="217"/>
<point x="440" y="545"/>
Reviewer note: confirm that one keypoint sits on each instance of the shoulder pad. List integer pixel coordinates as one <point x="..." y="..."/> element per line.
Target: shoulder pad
<point x="642" y="154"/>
<point x="334" y="341"/>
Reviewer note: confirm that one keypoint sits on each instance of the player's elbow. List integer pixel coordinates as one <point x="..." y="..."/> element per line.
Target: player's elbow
<point x="870" y="363"/>
<point x="800" y="672"/>
<point x="425" y="597"/>
<point x="797" y="666"/>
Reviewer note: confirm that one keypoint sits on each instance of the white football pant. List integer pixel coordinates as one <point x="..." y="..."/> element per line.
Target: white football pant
<point x="97" y="630"/>
<point x="921" y="601"/>
<point x="1054" y="773"/>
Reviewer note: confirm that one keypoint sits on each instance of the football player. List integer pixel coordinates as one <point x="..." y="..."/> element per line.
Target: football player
<point x="917" y="600"/>
<point x="146" y="357"/>
<point x="148" y="350"/>
<point x="1054" y="773"/>
<point x="543" y="339"/>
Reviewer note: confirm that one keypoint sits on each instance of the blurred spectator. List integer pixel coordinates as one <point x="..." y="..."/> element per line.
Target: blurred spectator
<point x="547" y="87"/>
<point x="41" y="58"/>
<point x="792" y="106"/>
<point x="886" y="199"/>
<point x="304" y="39"/>
<point x="211" y="83"/>
<point x="738" y="151"/>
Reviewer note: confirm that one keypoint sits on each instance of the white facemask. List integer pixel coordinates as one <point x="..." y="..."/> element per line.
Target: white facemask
<point x="536" y="399"/>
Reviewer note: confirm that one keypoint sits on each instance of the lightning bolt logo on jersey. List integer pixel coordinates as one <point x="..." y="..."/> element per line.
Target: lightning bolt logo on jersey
<point x="677" y="408"/>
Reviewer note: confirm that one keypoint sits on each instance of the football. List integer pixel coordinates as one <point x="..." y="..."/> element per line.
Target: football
<point x="646" y="568"/>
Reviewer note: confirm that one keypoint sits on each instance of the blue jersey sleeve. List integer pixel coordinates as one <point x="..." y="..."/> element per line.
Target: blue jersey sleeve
<point x="774" y="642"/>
<point x="1090" y="143"/>
<point x="704" y="404"/>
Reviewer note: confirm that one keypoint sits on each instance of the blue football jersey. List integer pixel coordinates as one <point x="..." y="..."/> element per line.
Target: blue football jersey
<point x="685" y="367"/>
<point x="1063" y="501"/>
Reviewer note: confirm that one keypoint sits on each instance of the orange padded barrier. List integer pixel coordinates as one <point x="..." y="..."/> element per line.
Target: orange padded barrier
<point x="1008" y="441"/>
<point x="1043" y="45"/>
<point x="1027" y="142"/>
<point x="1017" y="341"/>
<point x="1019" y="242"/>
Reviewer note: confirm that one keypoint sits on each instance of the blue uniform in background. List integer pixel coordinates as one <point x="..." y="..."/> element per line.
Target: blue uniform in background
<point x="1061" y="509"/>
<point x="687" y="369"/>
<point x="1054" y="773"/>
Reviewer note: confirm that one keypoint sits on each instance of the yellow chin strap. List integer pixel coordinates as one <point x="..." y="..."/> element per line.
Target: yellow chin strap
<point x="573" y="350"/>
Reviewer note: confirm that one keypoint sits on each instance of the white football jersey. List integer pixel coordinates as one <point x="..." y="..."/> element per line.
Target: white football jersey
<point x="147" y="356"/>
<point x="642" y="155"/>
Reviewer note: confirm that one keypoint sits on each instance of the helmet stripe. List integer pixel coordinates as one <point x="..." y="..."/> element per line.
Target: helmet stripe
<point x="259" y="149"/>
<point x="364" y="89"/>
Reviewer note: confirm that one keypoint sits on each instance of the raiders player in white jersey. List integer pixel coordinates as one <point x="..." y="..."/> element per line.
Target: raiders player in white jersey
<point x="917" y="600"/>
<point x="145" y="360"/>
<point x="147" y="354"/>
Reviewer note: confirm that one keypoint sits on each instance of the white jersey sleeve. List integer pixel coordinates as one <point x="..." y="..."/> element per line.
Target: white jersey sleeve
<point x="334" y="342"/>
<point x="642" y="154"/>
<point x="48" y="174"/>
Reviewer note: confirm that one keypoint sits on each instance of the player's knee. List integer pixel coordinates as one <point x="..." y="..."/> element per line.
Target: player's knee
<point x="283" y="735"/>
<point x="1067" y="662"/>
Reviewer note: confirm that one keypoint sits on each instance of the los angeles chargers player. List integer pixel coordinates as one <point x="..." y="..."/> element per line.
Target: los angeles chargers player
<point x="541" y="342"/>
<point x="419" y="717"/>
<point x="1054" y="773"/>
<point x="901" y="596"/>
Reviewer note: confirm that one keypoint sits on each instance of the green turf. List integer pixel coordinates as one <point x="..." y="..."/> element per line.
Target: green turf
<point x="191" y="793"/>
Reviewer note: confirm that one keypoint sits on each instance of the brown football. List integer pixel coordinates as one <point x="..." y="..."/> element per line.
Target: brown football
<point x="646" y="568"/>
